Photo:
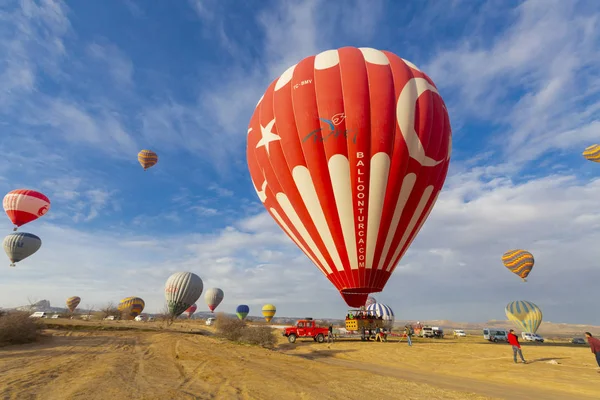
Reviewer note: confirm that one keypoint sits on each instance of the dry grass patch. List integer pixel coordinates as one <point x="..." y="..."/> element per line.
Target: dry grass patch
<point x="237" y="331"/>
<point x="18" y="328"/>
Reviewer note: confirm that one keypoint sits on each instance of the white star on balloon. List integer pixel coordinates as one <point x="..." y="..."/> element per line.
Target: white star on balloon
<point x="267" y="136"/>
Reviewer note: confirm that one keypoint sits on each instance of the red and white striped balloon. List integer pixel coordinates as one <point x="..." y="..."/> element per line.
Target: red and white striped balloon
<point x="23" y="206"/>
<point x="348" y="151"/>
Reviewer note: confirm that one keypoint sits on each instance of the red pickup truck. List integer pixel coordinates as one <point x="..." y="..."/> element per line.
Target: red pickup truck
<point x="305" y="328"/>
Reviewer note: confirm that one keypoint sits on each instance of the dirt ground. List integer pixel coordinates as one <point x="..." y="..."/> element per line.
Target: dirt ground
<point x="185" y="362"/>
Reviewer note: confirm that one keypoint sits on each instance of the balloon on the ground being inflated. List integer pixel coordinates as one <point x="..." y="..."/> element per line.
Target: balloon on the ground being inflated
<point x="131" y="307"/>
<point x="348" y="151"/>
<point x="525" y="315"/>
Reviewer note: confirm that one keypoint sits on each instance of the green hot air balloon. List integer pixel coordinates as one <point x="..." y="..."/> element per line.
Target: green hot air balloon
<point x="242" y="311"/>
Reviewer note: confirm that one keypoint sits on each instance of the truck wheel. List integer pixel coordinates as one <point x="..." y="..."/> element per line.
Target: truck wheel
<point x="495" y="340"/>
<point x="292" y="338"/>
<point x="320" y="338"/>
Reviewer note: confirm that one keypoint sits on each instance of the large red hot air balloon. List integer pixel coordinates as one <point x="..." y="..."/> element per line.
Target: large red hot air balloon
<point x="348" y="151"/>
<point x="23" y="206"/>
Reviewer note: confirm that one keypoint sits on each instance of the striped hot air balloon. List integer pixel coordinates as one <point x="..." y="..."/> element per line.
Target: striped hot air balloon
<point x="182" y="289"/>
<point x="519" y="262"/>
<point x="370" y="300"/>
<point x="73" y="302"/>
<point x="242" y="311"/>
<point x="23" y="206"/>
<point x="592" y="153"/>
<point x="525" y="315"/>
<point x="213" y="297"/>
<point x="131" y="307"/>
<point x="348" y="151"/>
<point x="268" y="311"/>
<point x="191" y="310"/>
<point x="384" y="311"/>
<point x="147" y="158"/>
<point x="20" y="245"/>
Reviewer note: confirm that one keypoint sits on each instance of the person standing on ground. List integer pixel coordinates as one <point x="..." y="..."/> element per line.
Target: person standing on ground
<point x="516" y="346"/>
<point x="330" y="334"/>
<point x="407" y="332"/>
<point x="594" y="346"/>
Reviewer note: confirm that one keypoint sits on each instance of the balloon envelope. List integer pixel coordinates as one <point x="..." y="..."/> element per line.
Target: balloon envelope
<point x="131" y="307"/>
<point x="20" y="245"/>
<point x="370" y="300"/>
<point x="73" y="302"/>
<point x="191" y="310"/>
<point x="519" y="262"/>
<point x="147" y="158"/>
<point x="213" y="297"/>
<point x="385" y="312"/>
<point x="242" y="311"/>
<point x="348" y="151"/>
<point x="525" y="315"/>
<point x="182" y="289"/>
<point x="268" y="311"/>
<point x="592" y="153"/>
<point x="23" y="206"/>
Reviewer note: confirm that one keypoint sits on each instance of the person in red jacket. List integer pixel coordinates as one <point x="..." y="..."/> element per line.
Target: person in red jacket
<point x="516" y="346"/>
<point x="595" y="346"/>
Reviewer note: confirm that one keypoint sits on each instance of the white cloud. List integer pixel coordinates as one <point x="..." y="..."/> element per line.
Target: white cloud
<point x="119" y="65"/>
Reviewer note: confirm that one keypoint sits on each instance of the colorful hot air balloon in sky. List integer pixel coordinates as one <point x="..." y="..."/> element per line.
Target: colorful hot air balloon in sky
<point x="242" y="311"/>
<point x="268" y="311"/>
<point x="348" y="151"/>
<point x="525" y="315"/>
<point x="73" y="302"/>
<point x="191" y="310"/>
<point x="20" y="245"/>
<point x="147" y="158"/>
<point x="370" y="300"/>
<point x="592" y="153"/>
<point x="131" y="307"/>
<point x="182" y="289"/>
<point x="384" y="311"/>
<point x="519" y="262"/>
<point x="213" y="297"/>
<point x="23" y="206"/>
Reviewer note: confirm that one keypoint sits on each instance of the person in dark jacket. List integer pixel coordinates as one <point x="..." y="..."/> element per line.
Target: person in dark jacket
<point x="595" y="346"/>
<point x="516" y="346"/>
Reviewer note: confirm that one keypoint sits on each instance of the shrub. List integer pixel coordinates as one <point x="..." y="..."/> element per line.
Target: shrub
<point x="18" y="328"/>
<point x="237" y="331"/>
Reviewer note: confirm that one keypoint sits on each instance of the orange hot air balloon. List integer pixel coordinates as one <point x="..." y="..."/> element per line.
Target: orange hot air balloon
<point x="147" y="158"/>
<point x="348" y="151"/>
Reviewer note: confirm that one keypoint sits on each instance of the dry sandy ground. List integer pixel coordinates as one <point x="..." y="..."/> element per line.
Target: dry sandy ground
<point x="175" y="364"/>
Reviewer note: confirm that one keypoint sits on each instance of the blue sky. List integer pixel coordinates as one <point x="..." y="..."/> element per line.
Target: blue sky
<point x="85" y="86"/>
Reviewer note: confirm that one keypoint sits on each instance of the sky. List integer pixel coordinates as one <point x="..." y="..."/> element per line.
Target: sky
<point x="85" y="85"/>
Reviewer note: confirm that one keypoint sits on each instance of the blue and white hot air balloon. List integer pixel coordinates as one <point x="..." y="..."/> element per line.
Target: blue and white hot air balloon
<point x="384" y="311"/>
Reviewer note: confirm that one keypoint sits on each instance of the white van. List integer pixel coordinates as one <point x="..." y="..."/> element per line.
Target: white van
<point x="532" y="337"/>
<point x="38" y="314"/>
<point x="495" y="335"/>
<point x="459" y="333"/>
<point x="210" y="321"/>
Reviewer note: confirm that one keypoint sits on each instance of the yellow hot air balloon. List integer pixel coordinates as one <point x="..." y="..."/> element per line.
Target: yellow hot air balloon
<point x="268" y="311"/>
<point x="147" y="158"/>
<point x="73" y="302"/>
<point x="131" y="307"/>
<point x="519" y="262"/>
<point x="592" y="153"/>
<point x="525" y="315"/>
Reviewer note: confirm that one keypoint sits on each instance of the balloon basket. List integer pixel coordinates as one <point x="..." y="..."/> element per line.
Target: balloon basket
<point x="12" y="265"/>
<point x="15" y="229"/>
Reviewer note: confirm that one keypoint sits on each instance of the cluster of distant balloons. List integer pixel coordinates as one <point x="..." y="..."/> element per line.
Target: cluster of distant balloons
<point x="349" y="165"/>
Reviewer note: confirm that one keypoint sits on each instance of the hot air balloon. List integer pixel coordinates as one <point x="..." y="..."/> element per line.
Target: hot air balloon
<point x="348" y="151"/>
<point x="525" y="315"/>
<point x="20" y="245"/>
<point x="181" y="291"/>
<point x="242" y="311"/>
<point x="213" y="297"/>
<point x="268" y="311"/>
<point x="592" y="153"/>
<point x="147" y="158"/>
<point x="23" y="206"/>
<point x="191" y="310"/>
<point x="519" y="262"/>
<point x="73" y="302"/>
<point x="131" y="307"/>
<point x="370" y="300"/>
<point x="385" y="312"/>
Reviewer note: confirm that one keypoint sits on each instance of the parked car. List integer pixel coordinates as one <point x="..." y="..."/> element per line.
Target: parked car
<point x="459" y="333"/>
<point x="55" y="316"/>
<point x="39" y="314"/>
<point x="578" y="340"/>
<point x="110" y="318"/>
<point x="495" y="335"/>
<point x="532" y="337"/>
<point x="210" y="321"/>
<point x="305" y="328"/>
